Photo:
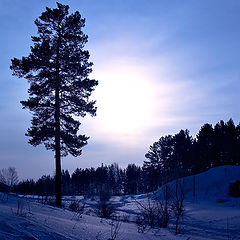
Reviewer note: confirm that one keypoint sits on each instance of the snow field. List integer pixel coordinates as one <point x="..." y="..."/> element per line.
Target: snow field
<point x="212" y="214"/>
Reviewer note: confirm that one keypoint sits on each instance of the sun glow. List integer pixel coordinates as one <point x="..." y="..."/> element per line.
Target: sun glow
<point x="125" y="100"/>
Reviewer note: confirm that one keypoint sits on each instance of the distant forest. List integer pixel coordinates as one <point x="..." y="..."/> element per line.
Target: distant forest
<point x="171" y="157"/>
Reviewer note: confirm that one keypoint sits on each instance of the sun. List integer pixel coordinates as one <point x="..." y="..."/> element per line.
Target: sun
<point x="125" y="100"/>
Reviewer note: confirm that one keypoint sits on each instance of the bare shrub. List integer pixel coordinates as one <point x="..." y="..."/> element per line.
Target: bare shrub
<point x="77" y="206"/>
<point x="74" y="206"/>
<point x="9" y="176"/>
<point x="23" y="207"/>
<point x="156" y="211"/>
<point x="141" y="224"/>
<point x="20" y="205"/>
<point x="147" y="214"/>
<point x="115" y="227"/>
<point x="177" y="205"/>
<point x="105" y="209"/>
<point x="163" y="203"/>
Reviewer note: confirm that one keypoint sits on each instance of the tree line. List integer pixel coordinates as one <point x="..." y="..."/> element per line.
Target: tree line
<point x="89" y="182"/>
<point x="180" y="155"/>
<point x="171" y="157"/>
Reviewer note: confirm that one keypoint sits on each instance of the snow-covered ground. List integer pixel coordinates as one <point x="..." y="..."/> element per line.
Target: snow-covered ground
<point x="211" y="214"/>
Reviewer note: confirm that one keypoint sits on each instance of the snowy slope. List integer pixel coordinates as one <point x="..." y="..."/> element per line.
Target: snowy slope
<point x="214" y="184"/>
<point x="204" y="217"/>
<point x="44" y="222"/>
<point x="212" y="213"/>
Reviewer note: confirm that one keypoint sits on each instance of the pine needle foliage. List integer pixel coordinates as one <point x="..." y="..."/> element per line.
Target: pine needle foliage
<point x="57" y="70"/>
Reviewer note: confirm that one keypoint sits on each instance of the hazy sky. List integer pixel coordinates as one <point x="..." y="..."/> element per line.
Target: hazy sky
<point x="162" y="66"/>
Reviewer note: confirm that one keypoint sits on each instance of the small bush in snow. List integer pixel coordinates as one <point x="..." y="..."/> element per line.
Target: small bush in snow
<point x="115" y="227"/>
<point x="77" y="206"/>
<point x="141" y="224"/>
<point x="164" y="207"/>
<point x="147" y="214"/>
<point x="74" y="206"/>
<point x="105" y="209"/>
<point x="156" y="211"/>
<point x="177" y="204"/>
<point x="159" y="209"/>
<point x="23" y="207"/>
<point x="20" y="207"/>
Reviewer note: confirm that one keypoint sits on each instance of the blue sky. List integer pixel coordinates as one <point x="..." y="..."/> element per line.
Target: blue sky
<point x="162" y="66"/>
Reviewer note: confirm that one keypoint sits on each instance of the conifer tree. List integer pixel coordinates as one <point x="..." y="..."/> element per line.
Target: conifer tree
<point x="204" y="149"/>
<point x="57" y="69"/>
<point x="182" y="155"/>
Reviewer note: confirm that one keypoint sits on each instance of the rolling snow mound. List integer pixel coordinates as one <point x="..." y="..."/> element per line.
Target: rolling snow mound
<point x="212" y="185"/>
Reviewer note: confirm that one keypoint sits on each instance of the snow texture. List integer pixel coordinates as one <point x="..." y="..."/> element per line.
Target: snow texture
<point x="211" y="214"/>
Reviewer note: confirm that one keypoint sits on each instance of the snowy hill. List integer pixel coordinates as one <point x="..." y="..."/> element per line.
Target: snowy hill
<point x="212" y="185"/>
<point x="205" y="216"/>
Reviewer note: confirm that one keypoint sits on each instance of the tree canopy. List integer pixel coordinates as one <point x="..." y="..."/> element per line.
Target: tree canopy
<point x="57" y="69"/>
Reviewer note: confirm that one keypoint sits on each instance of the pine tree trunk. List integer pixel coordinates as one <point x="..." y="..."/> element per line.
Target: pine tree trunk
<point x="58" y="156"/>
<point x="58" y="183"/>
<point x="194" y="186"/>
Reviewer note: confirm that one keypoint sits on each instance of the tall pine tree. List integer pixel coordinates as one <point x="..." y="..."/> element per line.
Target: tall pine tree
<point x="57" y="69"/>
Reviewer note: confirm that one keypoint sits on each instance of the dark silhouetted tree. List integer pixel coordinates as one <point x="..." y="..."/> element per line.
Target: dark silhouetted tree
<point x="159" y="165"/>
<point x="182" y="154"/>
<point x="132" y="179"/>
<point x="115" y="179"/>
<point x="45" y="186"/>
<point x="153" y="166"/>
<point x="231" y="145"/>
<point x="25" y="187"/>
<point x="168" y="158"/>
<point x="204" y="149"/>
<point x="57" y="69"/>
<point x="66" y="183"/>
<point x="219" y="142"/>
<point x="237" y="146"/>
